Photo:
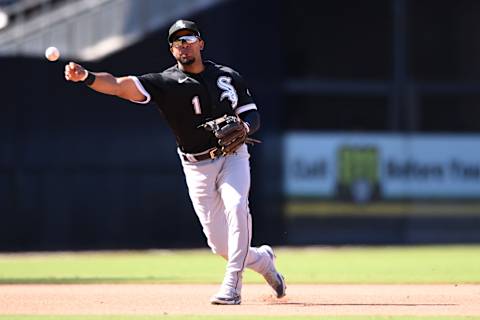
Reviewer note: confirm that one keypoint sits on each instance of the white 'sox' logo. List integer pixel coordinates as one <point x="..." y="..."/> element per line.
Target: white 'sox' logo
<point x="229" y="91"/>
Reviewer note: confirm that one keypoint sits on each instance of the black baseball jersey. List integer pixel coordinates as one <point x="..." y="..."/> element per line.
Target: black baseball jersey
<point x="188" y="100"/>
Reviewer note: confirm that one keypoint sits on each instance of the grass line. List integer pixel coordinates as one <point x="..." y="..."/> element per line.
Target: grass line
<point x="354" y="265"/>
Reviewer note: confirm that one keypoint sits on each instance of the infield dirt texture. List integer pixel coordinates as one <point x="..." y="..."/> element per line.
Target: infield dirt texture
<point x="350" y="281"/>
<point x="302" y="300"/>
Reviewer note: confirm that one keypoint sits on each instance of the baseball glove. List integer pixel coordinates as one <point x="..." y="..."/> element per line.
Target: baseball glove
<point x="231" y="136"/>
<point x="231" y="133"/>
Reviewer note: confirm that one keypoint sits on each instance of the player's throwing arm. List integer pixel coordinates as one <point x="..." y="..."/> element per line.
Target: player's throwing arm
<point x="103" y="82"/>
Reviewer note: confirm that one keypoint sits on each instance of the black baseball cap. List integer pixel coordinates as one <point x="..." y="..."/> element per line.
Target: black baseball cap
<point x="182" y="25"/>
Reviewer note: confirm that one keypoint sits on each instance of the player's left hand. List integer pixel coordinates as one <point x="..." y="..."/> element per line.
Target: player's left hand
<point x="231" y="136"/>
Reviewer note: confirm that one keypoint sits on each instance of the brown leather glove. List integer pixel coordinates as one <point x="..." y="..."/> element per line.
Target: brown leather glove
<point x="231" y="136"/>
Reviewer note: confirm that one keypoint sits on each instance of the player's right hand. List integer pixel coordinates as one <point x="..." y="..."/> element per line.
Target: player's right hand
<point x="75" y="72"/>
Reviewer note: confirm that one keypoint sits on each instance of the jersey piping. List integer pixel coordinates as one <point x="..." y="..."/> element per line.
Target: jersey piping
<point x="246" y="107"/>
<point x="140" y="88"/>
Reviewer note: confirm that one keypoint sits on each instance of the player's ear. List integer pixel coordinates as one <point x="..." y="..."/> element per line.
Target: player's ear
<point x="202" y="44"/>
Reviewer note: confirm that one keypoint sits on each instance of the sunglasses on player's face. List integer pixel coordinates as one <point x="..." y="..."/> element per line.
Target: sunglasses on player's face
<point x="178" y="42"/>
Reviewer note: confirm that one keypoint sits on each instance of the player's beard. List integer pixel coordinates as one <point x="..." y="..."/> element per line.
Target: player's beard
<point x="187" y="61"/>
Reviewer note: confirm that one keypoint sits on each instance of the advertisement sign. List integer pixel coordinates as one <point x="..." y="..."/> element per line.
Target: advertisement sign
<point x="367" y="167"/>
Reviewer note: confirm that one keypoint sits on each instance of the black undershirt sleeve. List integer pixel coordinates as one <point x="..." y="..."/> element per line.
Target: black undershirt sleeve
<point x="252" y="118"/>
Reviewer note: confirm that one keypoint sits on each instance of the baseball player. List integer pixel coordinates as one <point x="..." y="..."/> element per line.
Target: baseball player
<point x="212" y="114"/>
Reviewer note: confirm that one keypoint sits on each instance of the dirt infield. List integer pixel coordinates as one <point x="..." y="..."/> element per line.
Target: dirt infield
<point x="132" y="299"/>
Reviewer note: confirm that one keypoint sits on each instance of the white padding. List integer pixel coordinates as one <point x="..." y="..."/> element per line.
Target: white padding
<point x="246" y="107"/>
<point x="140" y="87"/>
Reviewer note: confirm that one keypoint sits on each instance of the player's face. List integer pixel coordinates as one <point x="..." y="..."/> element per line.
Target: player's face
<point x="186" y="47"/>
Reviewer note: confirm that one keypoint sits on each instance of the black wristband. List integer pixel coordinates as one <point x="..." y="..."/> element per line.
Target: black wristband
<point x="90" y="79"/>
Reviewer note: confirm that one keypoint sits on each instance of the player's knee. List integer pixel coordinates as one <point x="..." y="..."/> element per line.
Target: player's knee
<point x="237" y="206"/>
<point x="223" y="252"/>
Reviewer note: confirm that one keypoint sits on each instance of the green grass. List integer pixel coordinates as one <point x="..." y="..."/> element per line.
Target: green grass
<point x="421" y="264"/>
<point x="424" y="264"/>
<point x="430" y="264"/>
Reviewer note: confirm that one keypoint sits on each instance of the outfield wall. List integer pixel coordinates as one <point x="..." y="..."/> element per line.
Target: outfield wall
<point x="393" y="188"/>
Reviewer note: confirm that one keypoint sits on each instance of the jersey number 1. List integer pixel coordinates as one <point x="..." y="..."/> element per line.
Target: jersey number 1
<point x="196" y="105"/>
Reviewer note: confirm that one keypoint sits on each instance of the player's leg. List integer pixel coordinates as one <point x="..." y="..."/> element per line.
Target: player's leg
<point x="202" y="184"/>
<point x="207" y="203"/>
<point x="234" y="185"/>
<point x="201" y="181"/>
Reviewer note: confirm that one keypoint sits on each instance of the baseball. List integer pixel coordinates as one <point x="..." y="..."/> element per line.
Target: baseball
<point x="52" y="53"/>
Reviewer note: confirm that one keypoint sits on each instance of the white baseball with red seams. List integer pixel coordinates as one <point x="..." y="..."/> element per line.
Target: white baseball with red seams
<point x="52" y="53"/>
